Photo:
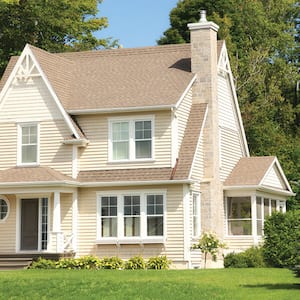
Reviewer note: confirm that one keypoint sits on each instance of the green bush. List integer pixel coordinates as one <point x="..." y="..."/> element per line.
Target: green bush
<point x="135" y="263"/>
<point x="114" y="263"/>
<point x="43" y="263"/>
<point x="158" y="263"/>
<point x="282" y="239"/>
<point x="251" y="258"/>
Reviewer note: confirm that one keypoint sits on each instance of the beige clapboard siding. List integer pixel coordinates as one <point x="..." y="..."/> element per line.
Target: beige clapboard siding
<point x="198" y="163"/>
<point x="8" y="228"/>
<point x="95" y="155"/>
<point x="53" y="152"/>
<point x="8" y="142"/>
<point x="87" y="225"/>
<point x="27" y="101"/>
<point x="230" y="139"/>
<point x="238" y="244"/>
<point x="182" y="113"/>
<point x="231" y="151"/>
<point x="274" y="179"/>
<point x="66" y="213"/>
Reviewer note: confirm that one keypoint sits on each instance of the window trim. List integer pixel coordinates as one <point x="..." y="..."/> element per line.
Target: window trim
<point x="20" y="144"/>
<point x="253" y="200"/>
<point x="121" y="238"/>
<point x="197" y="215"/>
<point x="4" y="198"/>
<point x="132" y="153"/>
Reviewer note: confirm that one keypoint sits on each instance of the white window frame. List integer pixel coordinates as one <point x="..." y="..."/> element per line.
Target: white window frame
<point x="2" y="197"/>
<point x="253" y="219"/>
<point x="131" y="122"/>
<point x="196" y="230"/>
<point x="20" y="144"/>
<point x="121" y="238"/>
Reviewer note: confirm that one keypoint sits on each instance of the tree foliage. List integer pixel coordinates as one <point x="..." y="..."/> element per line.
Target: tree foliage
<point x="263" y="44"/>
<point x="282" y="239"/>
<point x="56" y="26"/>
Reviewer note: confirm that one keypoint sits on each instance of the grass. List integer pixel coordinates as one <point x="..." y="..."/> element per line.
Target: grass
<point x="186" y="284"/>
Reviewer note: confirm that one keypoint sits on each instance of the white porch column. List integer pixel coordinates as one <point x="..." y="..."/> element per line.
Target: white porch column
<point x="74" y="220"/>
<point x="57" y="223"/>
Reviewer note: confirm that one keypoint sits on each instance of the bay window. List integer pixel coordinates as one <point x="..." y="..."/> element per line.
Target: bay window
<point x="131" y="139"/>
<point x="130" y="216"/>
<point x="246" y="215"/>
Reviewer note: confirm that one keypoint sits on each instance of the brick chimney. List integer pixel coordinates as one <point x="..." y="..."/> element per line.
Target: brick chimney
<point x="204" y="64"/>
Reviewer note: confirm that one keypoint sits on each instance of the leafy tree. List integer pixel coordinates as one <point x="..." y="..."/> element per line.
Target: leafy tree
<point x="209" y="244"/>
<point x="56" y="26"/>
<point x="263" y="44"/>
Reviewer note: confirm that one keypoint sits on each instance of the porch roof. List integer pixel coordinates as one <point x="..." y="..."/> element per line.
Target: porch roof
<point x="39" y="174"/>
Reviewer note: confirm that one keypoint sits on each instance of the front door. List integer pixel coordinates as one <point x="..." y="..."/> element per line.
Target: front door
<point x="29" y="224"/>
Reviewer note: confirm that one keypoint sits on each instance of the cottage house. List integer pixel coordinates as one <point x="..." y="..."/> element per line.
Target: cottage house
<point x="129" y="151"/>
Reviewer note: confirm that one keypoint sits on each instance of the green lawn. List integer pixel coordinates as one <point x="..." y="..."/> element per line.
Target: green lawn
<point x="186" y="284"/>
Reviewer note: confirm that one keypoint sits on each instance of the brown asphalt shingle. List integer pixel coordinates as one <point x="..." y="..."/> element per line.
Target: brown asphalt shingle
<point x="32" y="174"/>
<point x="249" y="171"/>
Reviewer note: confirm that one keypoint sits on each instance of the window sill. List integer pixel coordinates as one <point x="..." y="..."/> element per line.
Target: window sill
<point x="133" y="161"/>
<point x="129" y="241"/>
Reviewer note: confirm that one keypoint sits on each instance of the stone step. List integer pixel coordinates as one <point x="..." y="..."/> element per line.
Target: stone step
<point x="14" y="263"/>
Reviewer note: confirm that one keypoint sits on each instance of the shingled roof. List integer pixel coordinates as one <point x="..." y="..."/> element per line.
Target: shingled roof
<point x="116" y="78"/>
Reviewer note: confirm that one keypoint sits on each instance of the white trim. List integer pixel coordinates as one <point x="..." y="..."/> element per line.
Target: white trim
<point x="233" y="90"/>
<point x="74" y="161"/>
<point x="56" y="222"/>
<point x="5" y="199"/>
<point x="95" y="111"/>
<point x="28" y="52"/>
<point x="174" y="139"/>
<point x="75" y="220"/>
<point x="143" y="238"/>
<point x="276" y="162"/>
<point x="186" y="91"/>
<point x="198" y="142"/>
<point x="20" y="127"/>
<point x="131" y="139"/>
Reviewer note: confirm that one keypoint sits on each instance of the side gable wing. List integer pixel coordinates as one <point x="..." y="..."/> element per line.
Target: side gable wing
<point x="26" y="68"/>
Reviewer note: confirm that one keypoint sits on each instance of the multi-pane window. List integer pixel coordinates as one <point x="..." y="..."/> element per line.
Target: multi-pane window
<point x="120" y="140"/>
<point x="239" y="215"/>
<point x="136" y="215"/>
<point x="246" y="216"/>
<point x="3" y="209"/>
<point x="155" y="215"/>
<point x="143" y="139"/>
<point x="196" y="214"/>
<point x="132" y="215"/>
<point x="44" y="223"/>
<point x="29" y="144"/>
<point x="109" y="210"/>
<point x="131" y="139"/>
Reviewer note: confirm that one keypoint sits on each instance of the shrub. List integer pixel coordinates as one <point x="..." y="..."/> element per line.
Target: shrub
<point x="114" y="263"/>
<point x="135" y="263"/>
<point x="158" y="263"/>
<point x="282" y="239"/>
<point x="43" y="263"/>
<point x="251" y="258"/>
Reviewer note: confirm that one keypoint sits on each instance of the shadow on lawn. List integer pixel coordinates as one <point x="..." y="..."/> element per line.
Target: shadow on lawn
<point x="283" y="286"/>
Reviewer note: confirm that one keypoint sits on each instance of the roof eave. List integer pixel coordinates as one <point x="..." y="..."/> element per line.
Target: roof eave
<point x="62" y="183"/>
<point x="133" y="183"/>
<point x="259" y="188"/>
<point x="119" y="110"/>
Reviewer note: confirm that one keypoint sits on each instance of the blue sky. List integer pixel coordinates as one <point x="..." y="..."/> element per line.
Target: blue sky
<point x="136" y="23"/>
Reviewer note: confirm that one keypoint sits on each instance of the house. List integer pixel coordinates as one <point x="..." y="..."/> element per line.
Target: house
<point x="130" y="151"/>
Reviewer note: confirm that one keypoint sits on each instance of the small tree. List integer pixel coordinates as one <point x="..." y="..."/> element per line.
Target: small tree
<point x="209" y="244"/>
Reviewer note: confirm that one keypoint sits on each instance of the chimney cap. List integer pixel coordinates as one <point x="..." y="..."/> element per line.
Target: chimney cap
<point x="202" y="16"/>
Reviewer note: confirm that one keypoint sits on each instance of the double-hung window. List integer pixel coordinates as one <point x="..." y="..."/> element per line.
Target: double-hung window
<point x="28" y="144"/>
<point x="196" y="215"/>
<point x="136" y="216"/>
<point x="131" y="139"/>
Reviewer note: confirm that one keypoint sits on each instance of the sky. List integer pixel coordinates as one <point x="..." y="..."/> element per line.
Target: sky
<point x="135" y="23"/>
